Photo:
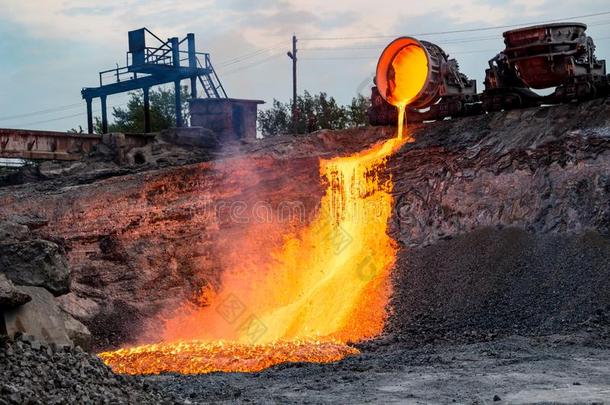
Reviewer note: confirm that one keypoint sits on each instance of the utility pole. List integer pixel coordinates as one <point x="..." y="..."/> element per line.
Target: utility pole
<point x="293" y="55"/>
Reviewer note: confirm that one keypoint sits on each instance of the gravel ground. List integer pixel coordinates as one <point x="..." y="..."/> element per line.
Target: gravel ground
<point x="31" y="373"/>
<point x="500" y="282"/>
<point x="567" y="369"/>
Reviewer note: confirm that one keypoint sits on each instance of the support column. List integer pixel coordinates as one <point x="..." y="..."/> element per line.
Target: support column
<point x="147" y="127"/>
<point x="178" y="104"/>
<point x="192" y="52"/>
<point x="104" y="115"/>
<point x="176" y="62"/>
<point x="89" y="116"/>
<point x="193" y="87"/>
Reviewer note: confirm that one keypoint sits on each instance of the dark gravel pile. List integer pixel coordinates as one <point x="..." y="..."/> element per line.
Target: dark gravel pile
<point x="515" y="283"/>
<point x="31" y="373"/>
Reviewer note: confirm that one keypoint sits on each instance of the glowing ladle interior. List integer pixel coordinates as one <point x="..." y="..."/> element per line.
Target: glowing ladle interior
<point x="406" y="78"/>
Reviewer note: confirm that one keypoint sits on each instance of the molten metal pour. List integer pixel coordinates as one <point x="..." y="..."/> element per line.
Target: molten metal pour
<point x="327" y="287"/>
<point x="407" y="75"/>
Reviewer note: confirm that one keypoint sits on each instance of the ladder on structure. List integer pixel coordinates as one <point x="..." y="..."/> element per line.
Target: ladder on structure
<point x="210" y="82"/>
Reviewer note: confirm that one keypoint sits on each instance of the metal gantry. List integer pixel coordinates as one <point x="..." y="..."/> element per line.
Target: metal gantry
<point x="148" y="66"/>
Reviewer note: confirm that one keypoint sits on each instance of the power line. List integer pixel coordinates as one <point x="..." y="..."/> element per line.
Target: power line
<point x="453" y="42"/>
<point x="375" y="56"/>
<point x="41" y="112"/>
<point x="382" y="44"/>
<point x="65" y="117"/>
<point x="439" y="42"/>
<point x="249" y="55"/>
<point x="51" y="120"/>
<point x="68" y="107"/>
<point x="457" y="31"/>
<point x="259" y="62"/>
<point x="246" y="57"/>
<point x="341" y="57"/>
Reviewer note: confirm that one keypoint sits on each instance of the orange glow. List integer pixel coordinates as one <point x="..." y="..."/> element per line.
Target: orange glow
<point x="410" y="71"/>
<point x="410" y="68"/>
<point x="402" y="72"/>
<point x="327" y="286"/>
<point x="197" y="357"/>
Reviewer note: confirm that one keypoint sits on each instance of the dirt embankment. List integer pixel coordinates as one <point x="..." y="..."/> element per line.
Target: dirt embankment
<point x="504" y="225"/>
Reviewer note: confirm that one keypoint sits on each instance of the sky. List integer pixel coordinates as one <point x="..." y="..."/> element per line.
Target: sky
<point x="50" y="49"/>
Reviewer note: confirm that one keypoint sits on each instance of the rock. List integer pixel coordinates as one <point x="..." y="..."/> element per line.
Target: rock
<point x="11" y="231"/>
<point x="40" y="317"/>
<point x="77" y="332"/>
<point x="51" y="169"/>
<point x="191" y="136"/>
<point x="11" y="296"/>
<point x="113" y="146"/>
<point x="38" y="263"/>
<point x="78" y="307"/>
<point x="31" y="220"/>
<point x="31" y="373"/>
<point x="497" y="398"/>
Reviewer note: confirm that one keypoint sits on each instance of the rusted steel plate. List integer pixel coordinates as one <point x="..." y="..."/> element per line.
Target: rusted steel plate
<point x="46" y="145"/>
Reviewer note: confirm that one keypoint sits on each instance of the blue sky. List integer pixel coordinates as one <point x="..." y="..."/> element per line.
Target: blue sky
<point x="50" y="49"/>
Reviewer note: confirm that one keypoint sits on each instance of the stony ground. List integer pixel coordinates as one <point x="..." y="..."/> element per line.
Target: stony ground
<point x="561" y="368"/>
<point x="566" y="369"/>
<point x="31" y="373"/>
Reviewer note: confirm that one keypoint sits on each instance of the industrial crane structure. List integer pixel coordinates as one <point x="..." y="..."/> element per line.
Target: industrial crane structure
<point x="152" y="65"/>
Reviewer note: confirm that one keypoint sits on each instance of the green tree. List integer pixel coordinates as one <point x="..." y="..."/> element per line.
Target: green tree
<point x="162" y="112"/>
<point x="276" y="120"/>
<point x="357" y="111"/>
<point x="314" y="112"/>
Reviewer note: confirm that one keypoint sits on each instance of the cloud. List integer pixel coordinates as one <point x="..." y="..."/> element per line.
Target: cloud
<point x="110" y="19"/>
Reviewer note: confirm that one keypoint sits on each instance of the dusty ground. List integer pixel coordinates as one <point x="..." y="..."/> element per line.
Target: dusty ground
<point x="517" y="370"/>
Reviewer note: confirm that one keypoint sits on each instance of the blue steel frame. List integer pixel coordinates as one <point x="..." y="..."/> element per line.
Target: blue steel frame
<point x="152" y="66"/>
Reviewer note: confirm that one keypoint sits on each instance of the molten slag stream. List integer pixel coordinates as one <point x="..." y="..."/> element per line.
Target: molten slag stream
<point x="327" y="286"/>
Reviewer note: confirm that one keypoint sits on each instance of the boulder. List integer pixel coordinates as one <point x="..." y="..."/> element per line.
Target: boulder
<point x="191" y="136"/>
<point x="31" y="220"/>
<point x="38" y="263"/>
<point x="12" y="231"/>
<point x="79" y="307"/>
<point x="77" y="332"/>
<point x="52" y="169"/>
<point x="40" y="317"/>
<point x="11" y="296"/>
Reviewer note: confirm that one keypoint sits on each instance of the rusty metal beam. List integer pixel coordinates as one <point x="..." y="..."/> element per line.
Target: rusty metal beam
<point x="45" y="145"/>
